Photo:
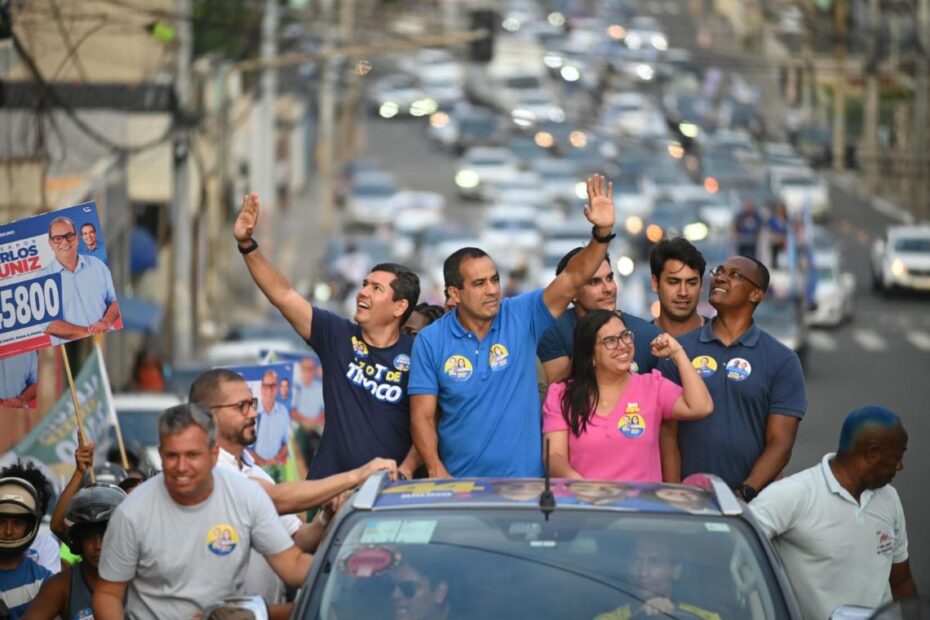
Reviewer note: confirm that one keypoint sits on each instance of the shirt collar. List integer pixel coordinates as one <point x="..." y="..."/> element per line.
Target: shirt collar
<point x="228" y="460"/>
<point x="57" y="267"/>
<point x="835" y="487"/>
<point x="749" y="338"/>
<point x="459" y="331"/>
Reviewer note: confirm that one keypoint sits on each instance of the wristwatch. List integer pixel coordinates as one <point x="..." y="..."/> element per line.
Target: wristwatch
<point x="599" y="239"/>
<point x="249" y="248"/>
<point x="748" y="492"/>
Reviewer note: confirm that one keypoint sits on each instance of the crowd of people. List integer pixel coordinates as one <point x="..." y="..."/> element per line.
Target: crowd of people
<point x="456" y="391"/>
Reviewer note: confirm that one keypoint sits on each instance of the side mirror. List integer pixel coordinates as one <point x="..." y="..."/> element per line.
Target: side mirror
<point x="851" y="612"/>
<point x="238" y="608"/>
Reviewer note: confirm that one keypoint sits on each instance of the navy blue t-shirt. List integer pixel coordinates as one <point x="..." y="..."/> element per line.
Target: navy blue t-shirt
<point x="365" y="394"/>
<point x="558" y="341"/>
<point x="754" y="377"/>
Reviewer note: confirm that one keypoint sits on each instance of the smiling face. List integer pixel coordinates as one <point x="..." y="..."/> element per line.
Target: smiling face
<point x="188" y="460"/>
<point x="479" y="298"/>
<point x="89" y="235"/>
<point x="600" y="292"/>
<point x="728" y="291"/>
<point x="63" y="242"/>
<point x="679" y="290"/>
<point x="612" y="361"/>
<point x="374" y="304"/>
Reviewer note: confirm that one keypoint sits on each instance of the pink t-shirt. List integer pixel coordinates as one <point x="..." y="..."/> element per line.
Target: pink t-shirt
<point x="625" y="444"/>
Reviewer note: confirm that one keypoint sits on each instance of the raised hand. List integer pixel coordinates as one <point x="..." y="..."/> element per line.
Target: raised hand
<point x="664" y="345"/>
<point x="600" y="207"/>
<point x="247" y="220"/>
<point x="84" y="458"/>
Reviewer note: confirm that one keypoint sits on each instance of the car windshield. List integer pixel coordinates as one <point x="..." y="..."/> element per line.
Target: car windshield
<point x="514" y="564"/>
<point x="913" y="244"/>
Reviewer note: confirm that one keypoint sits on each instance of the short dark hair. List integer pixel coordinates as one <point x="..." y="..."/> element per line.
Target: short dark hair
<point x="452" y="266"/>
<point x="763" y="272"/>
<point x="569" y="256"/>
<point x="86" y="224"/>
<point x="206" y="389"/>
<point x="677" y="248"/>
<point x="31" y="474"/>
<point x="431" y="312"/>
<point x="406" y="285"/>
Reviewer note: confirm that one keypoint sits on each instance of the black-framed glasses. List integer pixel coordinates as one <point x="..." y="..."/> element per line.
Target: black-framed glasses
<point x="269" y="385"/>
<point x="612" y="342"/>
<point x="407" y="587"/>
<point x="242" y="405"/>
<point x="57" y="239"/>
<point x="733" y="274"/>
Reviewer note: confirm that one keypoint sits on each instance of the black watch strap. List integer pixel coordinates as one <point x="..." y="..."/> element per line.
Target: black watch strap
<point x="599" y="239"/>
<point x="749" y="493"/>
<point x="249" y="248"/>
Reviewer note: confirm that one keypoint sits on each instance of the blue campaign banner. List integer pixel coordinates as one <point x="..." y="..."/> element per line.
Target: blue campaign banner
<point x="271" y="385"/>
<point x="55" y="282"/>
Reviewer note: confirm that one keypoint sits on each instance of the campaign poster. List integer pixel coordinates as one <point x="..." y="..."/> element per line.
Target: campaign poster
<point x="271" y="386"/>
<point x="19" y="381"/>
<point x="55" y="282"/>
<point x="307" y="387"/>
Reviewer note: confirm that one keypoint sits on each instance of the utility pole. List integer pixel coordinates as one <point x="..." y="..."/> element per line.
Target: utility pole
<point x="264" y="131"/>
<point x="919" y="169"/>
<point x="326" y="123"/>
<point x="839" y="86"/>
<point x="182" y="332"/>
<point x="870" y="154"/>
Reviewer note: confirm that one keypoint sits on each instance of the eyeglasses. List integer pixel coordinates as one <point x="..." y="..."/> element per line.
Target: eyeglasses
<point x="733" y="274"/>
<point x="242" y="405"/>
<point x="408" y="588"/>
<point x="612" y="342"/>
<point x="57" y="239"/>
<point x="269" y="385"/>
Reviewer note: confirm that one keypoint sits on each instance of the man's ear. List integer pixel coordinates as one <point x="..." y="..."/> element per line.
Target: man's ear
<point x="401" y="307"/>
<point x="453" y="293"/>
<point x="756" y="296"/>
<point x="655" y="284"/>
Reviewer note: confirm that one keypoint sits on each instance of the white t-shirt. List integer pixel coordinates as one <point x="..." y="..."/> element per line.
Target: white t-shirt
<point x="260" y="578"/>
<point x="836" y="551"/>
<point x="181" y="559"/>
<point x="45" y="550"/>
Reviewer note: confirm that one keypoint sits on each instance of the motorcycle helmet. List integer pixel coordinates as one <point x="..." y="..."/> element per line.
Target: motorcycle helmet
<point x="18" y="498"/>
<point x="89" y="511"/>
<point x="107" y="473"/>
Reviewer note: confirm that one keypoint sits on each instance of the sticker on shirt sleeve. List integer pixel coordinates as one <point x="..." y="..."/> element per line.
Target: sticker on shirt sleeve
<point x="222" y="539"/>
<point x="458" y="367"/>
<point x="885" y="543"/>
<point x="402" y="362"/>
<point x="360" y="348"/>
<point x="705" y="365"/>
<point x="738" y="369"/>
<point x="632" y="424"/>
<point x="499" y="356"/>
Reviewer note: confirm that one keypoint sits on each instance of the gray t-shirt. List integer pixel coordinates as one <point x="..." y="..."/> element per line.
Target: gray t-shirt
<point x="180" y="559"/>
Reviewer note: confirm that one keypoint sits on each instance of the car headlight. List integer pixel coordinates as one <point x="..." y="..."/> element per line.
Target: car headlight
<point x="423" y="107"/>
<point x="688" y="130"/>
<point x="467" y="179"/>
<point x="625" y="265"/>
<point x="898" y="268"/>
<point x="634" y="41"/>
<point x="696" y="231"/>
<point x="388" y="109"/>
<point x="633" y="225"/>
<point x="570" y="73"/>
<point x="644" y="72"/>
<point x="659" y="42"/>
<point x="581" y="189"/>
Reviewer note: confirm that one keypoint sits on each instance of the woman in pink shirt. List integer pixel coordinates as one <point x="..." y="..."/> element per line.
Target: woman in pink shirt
<point x="603" y="421"/>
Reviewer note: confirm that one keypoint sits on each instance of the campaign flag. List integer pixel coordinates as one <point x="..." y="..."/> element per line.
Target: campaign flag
<point x="271" y="385"/>
<point x="54" y="440"/>
<point x="55" y="282"/>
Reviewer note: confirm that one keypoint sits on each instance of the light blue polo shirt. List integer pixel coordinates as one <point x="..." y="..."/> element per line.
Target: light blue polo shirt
<point x="86" y="293"/>
<point x="17" y="373"/>
<point x="748" y="380"/>
<point x="271" y="430"/>
<point x="490" y="422"/>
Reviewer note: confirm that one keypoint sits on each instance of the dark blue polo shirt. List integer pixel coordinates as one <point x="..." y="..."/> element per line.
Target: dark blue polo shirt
<point x="490" y="423"/>
<point x="559" y="340"/>
<point x="752" y="378"/>
<point x="365" y="391"/>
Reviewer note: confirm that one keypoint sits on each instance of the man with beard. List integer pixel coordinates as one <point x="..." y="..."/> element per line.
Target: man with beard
<point x="365" y="364"/>
<point x="839" y="526"/>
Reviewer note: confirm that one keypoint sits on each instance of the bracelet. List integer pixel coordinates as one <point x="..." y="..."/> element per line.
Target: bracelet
<point x="248" y="249"/>
<point x="599" y="239"/>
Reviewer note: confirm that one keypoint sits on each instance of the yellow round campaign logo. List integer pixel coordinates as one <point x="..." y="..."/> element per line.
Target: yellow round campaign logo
<point x="632" y="424"/>
<point x="222" y="539"/>
<point x="359" y="347"/>
<point x="499" y="356"/>
<point x="705" y="365"/>
<point x="458" y="367"/>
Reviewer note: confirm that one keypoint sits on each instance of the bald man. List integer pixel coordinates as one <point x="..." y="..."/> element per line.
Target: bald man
<point x="839" y="526"/>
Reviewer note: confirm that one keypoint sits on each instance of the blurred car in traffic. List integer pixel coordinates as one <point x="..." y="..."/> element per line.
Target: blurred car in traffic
<point x="834" y="295"/>
<point x="901" y="259"/>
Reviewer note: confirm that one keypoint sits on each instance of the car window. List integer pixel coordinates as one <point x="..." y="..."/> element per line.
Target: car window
<point x="514" y="564"/>
<point x="914" y="244"/>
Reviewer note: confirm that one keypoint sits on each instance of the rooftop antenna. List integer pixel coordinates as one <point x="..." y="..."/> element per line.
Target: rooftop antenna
<point x="547" y="499"/>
